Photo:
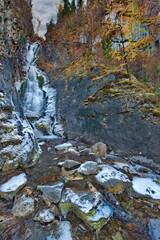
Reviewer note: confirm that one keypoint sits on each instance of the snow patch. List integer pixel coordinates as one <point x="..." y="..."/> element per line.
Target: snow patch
<point x="146" y="186"/>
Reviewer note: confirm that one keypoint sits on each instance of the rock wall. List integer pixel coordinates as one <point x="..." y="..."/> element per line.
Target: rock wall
<point x="18" y="146"/>
<point x="91" y="110"/>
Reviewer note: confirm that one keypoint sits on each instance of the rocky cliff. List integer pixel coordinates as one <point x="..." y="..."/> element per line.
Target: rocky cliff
<point x="18" y="145"/>
<point x="96" y="103"/>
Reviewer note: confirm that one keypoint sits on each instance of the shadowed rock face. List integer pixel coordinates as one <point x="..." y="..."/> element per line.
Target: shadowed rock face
<point x="114" y="121"/>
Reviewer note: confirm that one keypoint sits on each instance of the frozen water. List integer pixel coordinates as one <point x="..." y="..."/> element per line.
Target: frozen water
<point x="39" y="98"/>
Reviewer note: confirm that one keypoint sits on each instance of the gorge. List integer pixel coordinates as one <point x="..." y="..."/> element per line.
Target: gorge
<point x="79" y="142"/>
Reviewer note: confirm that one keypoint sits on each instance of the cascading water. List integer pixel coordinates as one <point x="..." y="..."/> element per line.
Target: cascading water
<point x="33" y="95"/>
<point x="39" y="98"/>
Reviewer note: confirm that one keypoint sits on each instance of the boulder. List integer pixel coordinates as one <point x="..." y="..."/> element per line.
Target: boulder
<point x="145" y="187"/>
<point x="52" y="193"/>
<point x="44" y="216"/>
<point x="87" y="206"/>
<point x="88" y="168"/>
<point x="23" y="207"/>
<point x="9" y="189"/>
<point x="100" y="148"/>
<point x="112" y="180"/>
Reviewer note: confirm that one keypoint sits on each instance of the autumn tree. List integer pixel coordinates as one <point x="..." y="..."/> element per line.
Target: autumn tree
<point x="126" y="32"/>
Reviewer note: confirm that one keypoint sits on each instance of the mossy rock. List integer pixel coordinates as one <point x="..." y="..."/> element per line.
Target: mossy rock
<point x="89" y="218"/>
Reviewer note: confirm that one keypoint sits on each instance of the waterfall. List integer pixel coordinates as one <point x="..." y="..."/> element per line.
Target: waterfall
<point x="39" y="98"/>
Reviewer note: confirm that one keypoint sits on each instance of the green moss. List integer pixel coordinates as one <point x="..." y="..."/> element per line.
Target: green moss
<point x="21" y="37"/>
<point x="66" y="207"/>
<point x="42" y="126"/>
<point x="117" y="189"/>
<point x="40" y="80"/>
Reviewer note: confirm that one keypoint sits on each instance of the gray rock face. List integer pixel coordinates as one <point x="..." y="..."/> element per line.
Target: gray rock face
<point x="105" y="120"/>
<point x="9" y="189"/>
<point x="154" y="228"/>
<point x="52" y="193"/>
<point x="23" y="207"/>
<point x="44" y="216"/>
<point x="88" y="168"/>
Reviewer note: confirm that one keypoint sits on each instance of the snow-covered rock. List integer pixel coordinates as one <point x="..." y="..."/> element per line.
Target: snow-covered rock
<point x="113" y="180"/>
<point x="88" y="168"/>
<point x="146" y="187"/>
<point x="87" y="206"/>
<point x="9" y="189"/>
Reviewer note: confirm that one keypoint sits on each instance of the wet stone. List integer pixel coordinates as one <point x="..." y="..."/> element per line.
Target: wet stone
<point x="24" y="206"/>
<point x="154" y="229"/>
<point x="85" y="152"/>
<point x="60" y="231"/>
<point x="112" y="180"/>
<point x="73" y="151"/>
<point x="44" y="216"/>
<point x="9" y="189"/>
<point x="68" y="164"/>
<point x="88" y="168"/>
<point x="63" y="230"/>
<point x="63" y="146"/>
<point x="52" y="193"/>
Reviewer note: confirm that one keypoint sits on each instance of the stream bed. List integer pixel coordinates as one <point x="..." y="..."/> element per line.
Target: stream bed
<point x="56" y="180"/>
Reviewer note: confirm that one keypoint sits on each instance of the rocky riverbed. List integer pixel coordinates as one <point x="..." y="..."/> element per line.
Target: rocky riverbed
<point x="79" y="191"/>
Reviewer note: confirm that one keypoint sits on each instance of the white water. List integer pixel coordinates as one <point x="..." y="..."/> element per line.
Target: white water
<point x="39" y="98"/>
<point x="33" y="96"/>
